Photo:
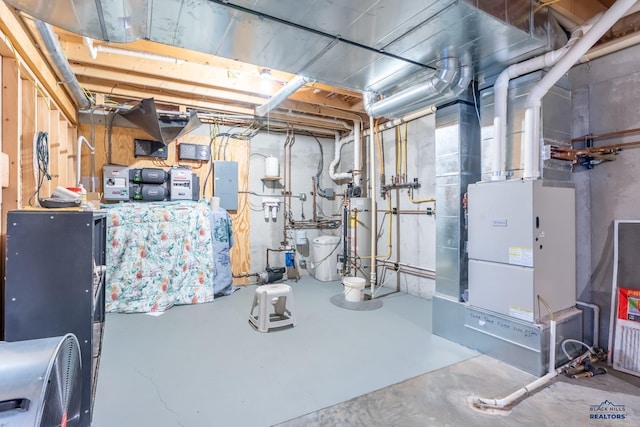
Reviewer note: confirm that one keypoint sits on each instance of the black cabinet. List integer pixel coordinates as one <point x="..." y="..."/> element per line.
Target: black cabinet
<point x="55" y="284"/>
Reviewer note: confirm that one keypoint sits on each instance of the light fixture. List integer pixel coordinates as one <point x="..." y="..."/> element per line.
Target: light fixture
<point x="265" y="74"/>
<point x="265" y="80"/>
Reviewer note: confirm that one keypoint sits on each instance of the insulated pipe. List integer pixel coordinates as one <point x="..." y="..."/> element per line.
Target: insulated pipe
<point x="443" y="80"/>
<point x="92" y="150"/>
<point x="287" y="90"/>
<point x="374" y="208"/>
<point x="534" y="100"/>
<point x="552" y="373"/>
<point x="68" y="77"/>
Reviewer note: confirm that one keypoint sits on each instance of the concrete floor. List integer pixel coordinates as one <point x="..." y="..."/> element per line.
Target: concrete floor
<point x="204" y="365"/>
<point x="444" y="398"/>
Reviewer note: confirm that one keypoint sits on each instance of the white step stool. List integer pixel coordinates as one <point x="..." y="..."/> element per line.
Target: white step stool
<point x="277" y="295"/>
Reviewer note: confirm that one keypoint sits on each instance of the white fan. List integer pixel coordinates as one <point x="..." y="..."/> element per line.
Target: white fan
<point x="41" y="382"/>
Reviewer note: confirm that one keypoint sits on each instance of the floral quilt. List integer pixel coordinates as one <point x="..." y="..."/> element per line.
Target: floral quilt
<point x="158" y="255"/>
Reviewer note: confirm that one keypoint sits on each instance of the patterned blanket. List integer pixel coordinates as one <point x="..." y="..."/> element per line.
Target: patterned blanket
<point x="161" y="254"/>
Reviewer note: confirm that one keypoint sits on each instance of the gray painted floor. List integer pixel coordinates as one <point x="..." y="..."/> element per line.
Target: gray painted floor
<point x="204" y="365"/>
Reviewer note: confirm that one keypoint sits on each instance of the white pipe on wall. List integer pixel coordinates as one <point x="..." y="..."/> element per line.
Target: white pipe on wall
<point x="374" y="208"/>
<point x="534" y="100"/>
<point x="92" y="150"/>
<point x="287" y="90"/>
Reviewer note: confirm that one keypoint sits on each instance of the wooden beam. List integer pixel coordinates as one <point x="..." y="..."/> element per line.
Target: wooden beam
<point x="169" y="99"/>
<point x="191" y="56"/>
<point x="194" y="74"/>
<point x="13" y="32"/>
<point x="11" y="131"/>
<point x="578" y="11"/>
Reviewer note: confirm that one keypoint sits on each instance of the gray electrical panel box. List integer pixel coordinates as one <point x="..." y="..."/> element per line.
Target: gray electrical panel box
<point x="115" y="181"/>
<point x="521" y="245"/>
<point x="225" y="184"/>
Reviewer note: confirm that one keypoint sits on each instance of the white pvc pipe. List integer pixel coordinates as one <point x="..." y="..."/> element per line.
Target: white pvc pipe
<point x="596" y="320"/>
<point x="374" y="207"/>
<point x="92" y="150"/>
<point x="357" y="135"/>
<point x="357" y="152"/>
<point x="336" y="159"/>
<point x="534" y="100"/>
<point x="552" y="373"/>
<point x="287" y="90"/>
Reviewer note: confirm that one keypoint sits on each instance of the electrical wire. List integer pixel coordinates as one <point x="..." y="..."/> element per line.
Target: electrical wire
<point x="42" y="157"/>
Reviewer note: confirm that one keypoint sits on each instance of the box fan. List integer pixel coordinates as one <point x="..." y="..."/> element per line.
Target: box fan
<point x="41" y="382"/>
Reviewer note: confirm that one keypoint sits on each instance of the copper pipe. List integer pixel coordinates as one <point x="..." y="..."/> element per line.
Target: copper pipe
<point x="606" y="135"/>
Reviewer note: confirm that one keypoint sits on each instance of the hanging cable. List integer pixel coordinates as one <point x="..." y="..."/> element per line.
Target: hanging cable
<point x="42" y="158"/>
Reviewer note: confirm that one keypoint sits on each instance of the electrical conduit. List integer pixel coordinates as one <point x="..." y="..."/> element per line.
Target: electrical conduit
<point x="531" y="135"/>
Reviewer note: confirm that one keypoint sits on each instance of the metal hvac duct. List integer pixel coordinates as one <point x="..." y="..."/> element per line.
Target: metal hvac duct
<point x="444" y="79"/>
<point x="68" y="77"/>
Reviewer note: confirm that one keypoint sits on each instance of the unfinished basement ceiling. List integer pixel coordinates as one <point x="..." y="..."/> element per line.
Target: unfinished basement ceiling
<point x="345" y="46"/>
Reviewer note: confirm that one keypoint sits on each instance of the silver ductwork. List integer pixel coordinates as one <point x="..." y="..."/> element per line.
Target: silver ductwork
<point x="64" y="70"/>
<point x="444" y="79"/>
<point x="464" y="79"/>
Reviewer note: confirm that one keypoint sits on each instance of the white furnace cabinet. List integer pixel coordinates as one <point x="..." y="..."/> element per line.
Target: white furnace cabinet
<point x="521" y="245"/>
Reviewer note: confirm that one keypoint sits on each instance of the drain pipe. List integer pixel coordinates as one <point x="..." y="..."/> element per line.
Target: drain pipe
<point x="68" y="77"/>
<point x="596" y="320"/>
<point x="552" y="373"/>
<point x="92" y="151"/>
<point x="374" y="208"/>
<point x="501" y="92"/>
<point x="422" y="92"/>
<point x="357" y="135"/>
<point x="287" y="90"/>
<point x="532" y="143"/>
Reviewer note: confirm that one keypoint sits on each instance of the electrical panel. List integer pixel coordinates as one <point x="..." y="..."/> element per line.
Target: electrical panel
<point x="194" y="152"/>
<point x="225" y="184"/>
<point x="521" y="245"/>
<point x="116" y="182"/>
<point x="181" y="184"/>
<point x="148" y="148"/>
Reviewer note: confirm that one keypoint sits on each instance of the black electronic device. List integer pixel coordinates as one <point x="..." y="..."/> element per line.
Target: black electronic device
<point x="148" y="148"/>
<point x="194" y="152"/>
<point x="148" y="176"/>
<point x="148" y="192"/>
